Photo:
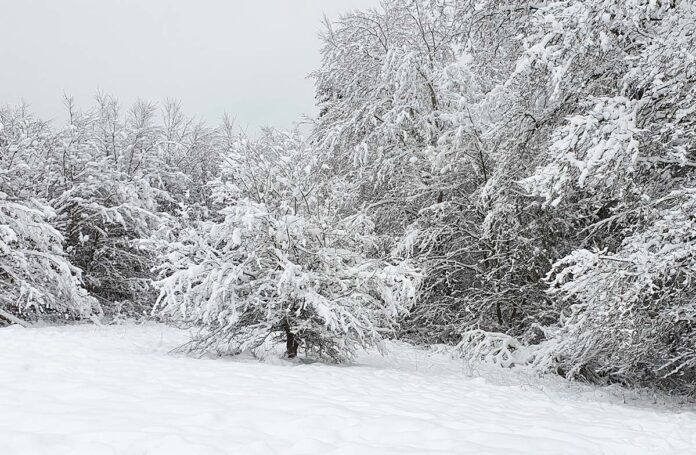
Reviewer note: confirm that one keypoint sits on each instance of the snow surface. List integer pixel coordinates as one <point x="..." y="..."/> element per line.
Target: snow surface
<point x="119" y="390"/>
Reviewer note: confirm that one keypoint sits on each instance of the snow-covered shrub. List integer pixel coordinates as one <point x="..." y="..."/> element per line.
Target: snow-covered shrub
<point x="633" y="315"/>
<point x="491" y="347"/>
<point x="283" y="263"/>
<point x="36" y="280"/>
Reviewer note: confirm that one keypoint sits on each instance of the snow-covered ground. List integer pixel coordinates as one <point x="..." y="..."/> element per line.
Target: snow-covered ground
<point x="118" y="390"/>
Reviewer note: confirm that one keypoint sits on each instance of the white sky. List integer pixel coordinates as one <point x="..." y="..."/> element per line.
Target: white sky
<point x="249" y="58"/>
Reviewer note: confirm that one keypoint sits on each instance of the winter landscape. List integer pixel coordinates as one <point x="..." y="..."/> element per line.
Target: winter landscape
<point x="465" y="227"/>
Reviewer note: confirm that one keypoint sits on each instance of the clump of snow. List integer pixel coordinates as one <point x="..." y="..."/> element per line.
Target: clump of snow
<point x="121" y="390"/>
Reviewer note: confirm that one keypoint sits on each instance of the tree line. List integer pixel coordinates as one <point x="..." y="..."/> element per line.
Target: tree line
<point x="513" y="178"/>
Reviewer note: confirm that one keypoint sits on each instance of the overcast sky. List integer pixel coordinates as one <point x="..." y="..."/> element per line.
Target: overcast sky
<point x="249" y="58"/>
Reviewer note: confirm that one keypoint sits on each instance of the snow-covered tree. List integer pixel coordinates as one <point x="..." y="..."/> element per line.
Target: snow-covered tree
<point x="533" y="161"/>
<point x="191" y="153"/>
<point x="105" y="203"/>
<point x="36" y="279"/>
<point x="625" y="161"/>
<point x="27" y="144"/>
<point x="421" y="129"/>
<point x="491" y="140"/>
<point x="282" y="262"/>
<point x="118" y="182"/>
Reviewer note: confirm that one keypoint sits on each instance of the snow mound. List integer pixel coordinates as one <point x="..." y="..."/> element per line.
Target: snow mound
<point x="120" y="390"/>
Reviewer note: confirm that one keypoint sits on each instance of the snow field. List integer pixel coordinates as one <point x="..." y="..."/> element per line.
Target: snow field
<point x="90" y="390"/>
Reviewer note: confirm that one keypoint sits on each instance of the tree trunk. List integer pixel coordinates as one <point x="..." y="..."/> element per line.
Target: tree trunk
<point x="291" y="341"/>
<point x="13" y="319"/>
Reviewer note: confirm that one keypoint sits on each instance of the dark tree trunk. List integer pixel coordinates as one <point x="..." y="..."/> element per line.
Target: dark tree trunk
<point x="291" y="341"/>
